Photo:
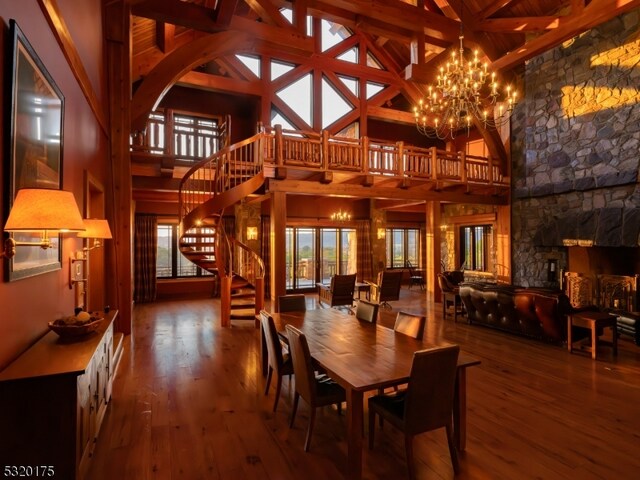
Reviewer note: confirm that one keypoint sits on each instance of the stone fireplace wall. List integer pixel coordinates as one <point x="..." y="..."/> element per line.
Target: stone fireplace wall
<point x="576" y="149"/>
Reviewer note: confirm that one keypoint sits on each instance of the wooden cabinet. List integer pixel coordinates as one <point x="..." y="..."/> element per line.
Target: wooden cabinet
<point x="53" y="399"/>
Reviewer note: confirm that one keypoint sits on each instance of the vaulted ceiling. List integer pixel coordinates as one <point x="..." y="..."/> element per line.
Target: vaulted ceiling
<point x="415" y="33"/>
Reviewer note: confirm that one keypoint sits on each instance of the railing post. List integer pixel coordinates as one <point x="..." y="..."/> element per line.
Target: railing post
<point x="324" y="150"/>
<point x="463" y="167"/>
<point x="365" y="154"/>
<point x="434" y="162"/>
<point x="278" y="146"/>
<point x="168" y="132"/>
<point x="400" y="161"/>
<point x="490" y="165"/>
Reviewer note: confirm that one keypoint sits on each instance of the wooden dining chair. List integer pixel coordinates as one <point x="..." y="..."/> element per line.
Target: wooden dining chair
<point x="316" y="391"/>
<point x="367" y="311"/>
<point x="410" y="324"/>
<point x="339" y="292"/>
<point x="292" y="303"/>
<point x="426" y="404"/>
<point x="387" y="288"/>
<point x="279" y="362"/>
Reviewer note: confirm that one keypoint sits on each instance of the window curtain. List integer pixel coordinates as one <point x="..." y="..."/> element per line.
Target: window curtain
<point x="364" y="260"/>
<point x="265" y="252"/>
<point x="145" y="252"/>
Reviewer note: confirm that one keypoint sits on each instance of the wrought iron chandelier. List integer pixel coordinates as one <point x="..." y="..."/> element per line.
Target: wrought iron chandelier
<point x="465" y="90"/>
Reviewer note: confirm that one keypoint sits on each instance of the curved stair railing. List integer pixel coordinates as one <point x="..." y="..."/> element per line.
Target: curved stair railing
<point x="205" y="191"/>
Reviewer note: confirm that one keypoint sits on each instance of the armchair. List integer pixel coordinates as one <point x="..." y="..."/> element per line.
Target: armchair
<point x="387" y="287"/>
<point x="450" y="295"/>
<point x="339" y="292"/>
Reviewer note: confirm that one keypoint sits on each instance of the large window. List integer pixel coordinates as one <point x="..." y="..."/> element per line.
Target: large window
<point x="403" y="244"/>
<point x="315" y="254"/>
<point x="475" y="243"/>
<point x="170" y="263"/>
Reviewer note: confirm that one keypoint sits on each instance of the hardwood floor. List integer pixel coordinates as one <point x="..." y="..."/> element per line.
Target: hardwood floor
<point x="189" y="403"/>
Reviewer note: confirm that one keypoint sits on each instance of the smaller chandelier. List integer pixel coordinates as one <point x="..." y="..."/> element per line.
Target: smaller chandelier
<point x="340" y="216"/>
<point x="465" y="90"/>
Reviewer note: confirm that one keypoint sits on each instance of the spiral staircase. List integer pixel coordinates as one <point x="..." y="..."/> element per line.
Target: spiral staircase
<point x="208" y="188"/>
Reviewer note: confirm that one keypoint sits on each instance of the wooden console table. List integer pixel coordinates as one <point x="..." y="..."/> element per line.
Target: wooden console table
<point x="53" y="398"/>
<point x="593" y="321"/>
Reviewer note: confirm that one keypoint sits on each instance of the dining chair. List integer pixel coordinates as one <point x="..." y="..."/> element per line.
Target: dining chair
<point x="367" y="311"/>
<point x="387" y="288"/>
<point x="317" y="391"/>
<point x="426" y="404"/>
<point x="279" y="362"/>
<point x="292" y="303"/>
<point x="415" y="277"/>
<point x="339" y="292"/>
<point x="410" y="324"/>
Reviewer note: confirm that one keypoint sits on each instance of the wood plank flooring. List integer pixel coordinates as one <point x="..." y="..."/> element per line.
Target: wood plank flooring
<point x="189" y="403"/>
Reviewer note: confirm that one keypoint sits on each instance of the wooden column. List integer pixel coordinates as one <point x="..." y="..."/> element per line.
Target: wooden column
<point x="433" y="251"/>
<point x="503" y="244"/>
<point x="119" y="203"/>
<point x="278" y="217"/>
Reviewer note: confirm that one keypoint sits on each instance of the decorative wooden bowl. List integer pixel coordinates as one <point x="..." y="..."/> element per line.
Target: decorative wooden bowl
<point x="75" y="330"/>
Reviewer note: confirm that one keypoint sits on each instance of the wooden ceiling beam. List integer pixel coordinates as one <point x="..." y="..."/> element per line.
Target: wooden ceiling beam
<point x="390" y="115"/>
<point x="520" y="24"/>
<point x="224" y="10"/>
<point x="596" y="13"/>
<point x="165" y="36"/>
<point x="493" y="7"/>
<point x="216" y="83"/>
<point x="189" y="15"/>
<point x="375" y="191"/>
<point x="268" y="12"/>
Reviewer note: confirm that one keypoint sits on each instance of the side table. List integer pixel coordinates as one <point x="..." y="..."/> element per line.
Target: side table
<point x="594" y="321"/>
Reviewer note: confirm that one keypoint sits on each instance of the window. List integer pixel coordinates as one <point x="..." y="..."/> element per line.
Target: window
<point x="475" y="242"/>
<point x="170" y="263"/>
<point x="403" y="244"/>
<point x="319" y="254"/>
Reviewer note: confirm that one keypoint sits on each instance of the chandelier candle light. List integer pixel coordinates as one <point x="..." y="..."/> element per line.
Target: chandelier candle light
<point x="460" y="95"/>
<point x="340" y="216"/>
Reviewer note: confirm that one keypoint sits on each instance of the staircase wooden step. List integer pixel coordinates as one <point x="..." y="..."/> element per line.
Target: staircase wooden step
<point x="197" y="244"/>
<point x="245" y="316"/>
<point x="243" y="306"/>
<point x="198" y="253"/>
<point x="243" y="295"/>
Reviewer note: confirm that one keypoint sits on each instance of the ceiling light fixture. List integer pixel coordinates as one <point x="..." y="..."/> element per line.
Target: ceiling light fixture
<point x="340" y="216"/>
<point x="465" y="90"/>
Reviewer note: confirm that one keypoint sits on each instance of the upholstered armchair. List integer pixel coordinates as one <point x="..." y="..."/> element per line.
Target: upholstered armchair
<point x="387" y="288"/>
<point x="339" y="292"/>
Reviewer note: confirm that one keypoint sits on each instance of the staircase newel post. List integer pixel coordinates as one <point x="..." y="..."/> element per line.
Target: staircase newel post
<point x="225" y="300"/>
<point x="434" y="162"/>
<point x="490" y="166"/>
<point x="400" y="152"/>
<point x="278" y="146"/>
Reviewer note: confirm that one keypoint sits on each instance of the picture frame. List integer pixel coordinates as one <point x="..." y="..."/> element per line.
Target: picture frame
<point x="33" y="146"/>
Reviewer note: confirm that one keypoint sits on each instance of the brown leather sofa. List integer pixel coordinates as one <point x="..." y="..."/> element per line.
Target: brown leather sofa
<point x="532" y="312"/>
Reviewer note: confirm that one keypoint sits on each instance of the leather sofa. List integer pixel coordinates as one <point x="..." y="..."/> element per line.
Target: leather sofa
<point x="533" y="312"/>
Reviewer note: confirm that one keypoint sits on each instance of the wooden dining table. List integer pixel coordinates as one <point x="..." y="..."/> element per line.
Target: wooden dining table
<point x="360" y="357"/>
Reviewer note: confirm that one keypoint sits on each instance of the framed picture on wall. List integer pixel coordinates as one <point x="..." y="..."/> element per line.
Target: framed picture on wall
<point x="33" y="150"/>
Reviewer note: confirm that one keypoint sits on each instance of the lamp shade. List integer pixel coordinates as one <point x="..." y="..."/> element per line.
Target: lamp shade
<point x="44" y="209"/>
<point x="95" y="228"/>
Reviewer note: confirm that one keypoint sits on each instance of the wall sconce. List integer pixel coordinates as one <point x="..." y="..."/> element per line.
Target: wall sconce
<point x="41" y="210"/>
<point x="252" y="233"/>
<point x="381" y="233"/>
<point x="96" y="229"/>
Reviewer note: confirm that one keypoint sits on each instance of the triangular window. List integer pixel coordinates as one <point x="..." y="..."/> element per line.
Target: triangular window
<point x="351" y="83"/>
<point x="287" y="13"/>
<point x="252" y="63"/>
<point x="373" y="62"/>
<point x="278" y="119"/>
<point x="373" y="89"/>
<point x="350" y="55"/>
<point x="280" y="68"/>
<point x="332" y="34"/>
<point x="334" y="105"/>
<point x="297" y="95"/>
